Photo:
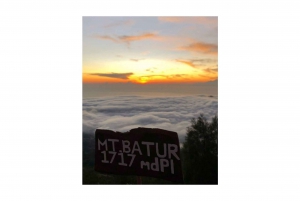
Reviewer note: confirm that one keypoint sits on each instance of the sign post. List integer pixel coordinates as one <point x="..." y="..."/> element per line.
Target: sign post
<point x="141" y="152"/>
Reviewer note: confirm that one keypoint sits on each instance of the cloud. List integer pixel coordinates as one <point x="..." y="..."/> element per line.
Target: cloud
<point x="151" y="69"/>
<point x="201" y="47"/>
<point x="145" y="36"/>
<point x="190" y="63"/>
<point x="106" y="38"/>
<point x="196" y="63"/>
<point x="114" y="75"/>
<point x="155" y="76"/>
<point x="127" y="39"/>
<point x="179" y="75"/>
<point x="136" y="60"/>
<point x="211" y="70"/>
<point x="205" y="60"/>
<point x="165" y="76"/>
<point x="123" y="113"/>
<point x="197" y="20"/>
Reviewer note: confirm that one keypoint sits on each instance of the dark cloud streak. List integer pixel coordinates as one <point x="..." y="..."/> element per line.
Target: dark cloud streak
<point x="114" y="75"/>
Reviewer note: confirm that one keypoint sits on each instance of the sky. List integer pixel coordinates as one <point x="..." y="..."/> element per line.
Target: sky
<point x="150" y="50"/>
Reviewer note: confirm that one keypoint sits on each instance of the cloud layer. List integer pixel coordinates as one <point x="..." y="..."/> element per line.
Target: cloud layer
<point x="126" y="112"/>
<point x="114" y="75"/>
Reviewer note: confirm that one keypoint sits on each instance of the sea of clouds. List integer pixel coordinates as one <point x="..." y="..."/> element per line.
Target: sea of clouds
<point x="123" y="113"/>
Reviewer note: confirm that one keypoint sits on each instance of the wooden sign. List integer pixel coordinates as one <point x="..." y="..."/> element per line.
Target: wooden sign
<point x="141" y="151"/>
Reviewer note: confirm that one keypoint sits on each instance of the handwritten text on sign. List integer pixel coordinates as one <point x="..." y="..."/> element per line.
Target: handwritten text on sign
<point x="142" y="151"/>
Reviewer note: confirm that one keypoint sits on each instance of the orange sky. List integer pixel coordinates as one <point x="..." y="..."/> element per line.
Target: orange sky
<point x="150" y="49"/>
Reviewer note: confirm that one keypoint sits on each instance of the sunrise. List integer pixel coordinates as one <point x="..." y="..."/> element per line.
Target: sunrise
<point x="150" y="100"/>
<point x="145" y="50"/>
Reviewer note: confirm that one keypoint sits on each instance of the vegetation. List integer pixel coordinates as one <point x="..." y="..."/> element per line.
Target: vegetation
<point x="200" y="152"/>
<point x="199" y="156"/>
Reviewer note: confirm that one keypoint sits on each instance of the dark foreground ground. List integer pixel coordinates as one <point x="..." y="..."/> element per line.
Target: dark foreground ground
<point x="199" y="158"/>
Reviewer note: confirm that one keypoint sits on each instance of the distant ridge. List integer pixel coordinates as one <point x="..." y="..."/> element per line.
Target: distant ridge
<point x="209" y="83"/>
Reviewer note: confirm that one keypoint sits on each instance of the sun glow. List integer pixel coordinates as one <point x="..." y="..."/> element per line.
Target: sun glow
<point x="149" y="71"/>
<point x="143" y="80"/>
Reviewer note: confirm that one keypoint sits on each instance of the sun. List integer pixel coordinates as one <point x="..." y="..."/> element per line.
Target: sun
<point x="143" y="80"/>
